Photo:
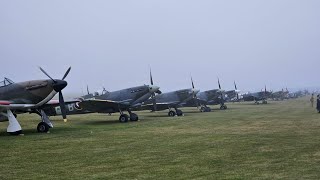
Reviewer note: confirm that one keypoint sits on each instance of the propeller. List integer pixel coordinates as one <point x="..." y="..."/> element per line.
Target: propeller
<point x="235" y="87"/>
<point x="195" y="98"/>
<point x="88" y="90"/>
<point x="265" y="91"/>
<point x="222" y="98"/>
<point x="153" y="95"/>
<point x="58" y="85"/>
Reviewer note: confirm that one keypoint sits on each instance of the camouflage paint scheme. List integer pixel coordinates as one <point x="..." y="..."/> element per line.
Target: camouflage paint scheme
<point x="174" y="99"/>
<point x="106" y="102"/>
<point x="29" y="95"/>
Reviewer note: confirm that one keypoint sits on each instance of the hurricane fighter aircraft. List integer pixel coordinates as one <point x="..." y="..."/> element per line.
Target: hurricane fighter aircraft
<point x="257" y="96"/>
<point x="109" y="102"/>
<point x="169" y="100"/>
<point x="29" y="96"/>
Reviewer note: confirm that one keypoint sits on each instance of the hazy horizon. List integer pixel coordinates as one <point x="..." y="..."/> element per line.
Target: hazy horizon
<point x="113" y="44"/>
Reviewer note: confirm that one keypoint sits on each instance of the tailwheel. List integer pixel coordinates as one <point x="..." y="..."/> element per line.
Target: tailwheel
<point x="179" y="112"/>
<point x="43" y="127"/>
<point x="134" y="117"/>
<point x="123" y="118"/>
<point x="172" y="113"/>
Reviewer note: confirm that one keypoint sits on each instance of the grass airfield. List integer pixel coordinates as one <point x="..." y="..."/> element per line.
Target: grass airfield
<point x="280" y="140"/>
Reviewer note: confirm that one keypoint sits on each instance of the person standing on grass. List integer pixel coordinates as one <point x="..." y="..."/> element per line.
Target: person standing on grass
<point x="312" y="100"/>
<point x="318" y="103"/>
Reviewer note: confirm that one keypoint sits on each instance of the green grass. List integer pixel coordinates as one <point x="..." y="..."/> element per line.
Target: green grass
<point x="280" y="140"/>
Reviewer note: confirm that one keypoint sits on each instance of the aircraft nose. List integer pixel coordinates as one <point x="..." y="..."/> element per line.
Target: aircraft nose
<point x="220" y="90"/>
<point x="153" y="89"/>
<point x="58" y="85"/>
<point x="196" y="91"/>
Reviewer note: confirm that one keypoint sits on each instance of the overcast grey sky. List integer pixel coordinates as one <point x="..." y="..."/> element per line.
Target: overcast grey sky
<point x="113" y="43"/>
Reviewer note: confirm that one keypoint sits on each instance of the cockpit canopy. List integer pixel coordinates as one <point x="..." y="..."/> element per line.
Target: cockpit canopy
<point x="101" y="92"/>
<point x="5" y="82"/>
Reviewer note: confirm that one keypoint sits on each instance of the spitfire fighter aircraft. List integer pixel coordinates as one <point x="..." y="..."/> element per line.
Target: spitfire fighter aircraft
<point x="257" y="96"/>
<point x="29" y="96"/>
<point x="280" y="95"/>
<point x="205" y="98"/>
<point x="169" y="100"/>
<point x="233" y="95"/>
<point x="109" y="102"/>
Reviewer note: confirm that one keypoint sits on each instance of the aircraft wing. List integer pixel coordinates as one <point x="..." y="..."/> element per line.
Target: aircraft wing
<point x="103" y="106"/>
<point x="54" y="103"/>
<point x="4" y="105"/>
<point x="160" y="106"/>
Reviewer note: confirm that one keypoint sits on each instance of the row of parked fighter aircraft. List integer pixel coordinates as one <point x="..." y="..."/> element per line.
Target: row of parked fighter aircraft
<point x="35" y="97"/>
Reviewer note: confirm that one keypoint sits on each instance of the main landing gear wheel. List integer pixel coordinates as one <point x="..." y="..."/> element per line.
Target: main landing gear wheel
<point x="123" y="118"/>
<point x="205" y="109"/>
<point x="179" y="112"/>
<point x="223" y="107"/>
<point x="134" y="117"/>
<point x="264" y="102"/>
<point x="43" y="127"/>
<point x="172" y="113"/>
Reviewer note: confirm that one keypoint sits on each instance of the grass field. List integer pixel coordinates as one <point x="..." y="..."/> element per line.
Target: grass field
<point x="280" y="140"/>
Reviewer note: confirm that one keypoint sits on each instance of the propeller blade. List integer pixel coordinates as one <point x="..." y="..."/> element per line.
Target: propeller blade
<point x="154" y="103"/>
<point x="66" y="74"/>
<point x="151" y="80"/>
<point x="88" y="90"/>
<point x="265" y="88"/>
<point x="219" y="83"/>
<point x="44" y="72"/>
<point x="235" y="85"/>
<point x="62" y="107"/>
<point x="195" y="98"/>
<point x="192" y="82"/>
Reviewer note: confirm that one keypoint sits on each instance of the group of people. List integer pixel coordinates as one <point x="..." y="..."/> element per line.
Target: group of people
<point x="318" y="101"/>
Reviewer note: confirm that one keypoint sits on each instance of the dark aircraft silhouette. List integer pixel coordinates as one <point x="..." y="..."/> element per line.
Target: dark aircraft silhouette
<point x="280" y="95"/>
<point x="233" y="95"/>
<point x="258" y="96"/>
<point x="169" y="100"/>
<point x="205" y="98"/>
<point x="108" y="102"/>
<point x="29" y="96"/>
